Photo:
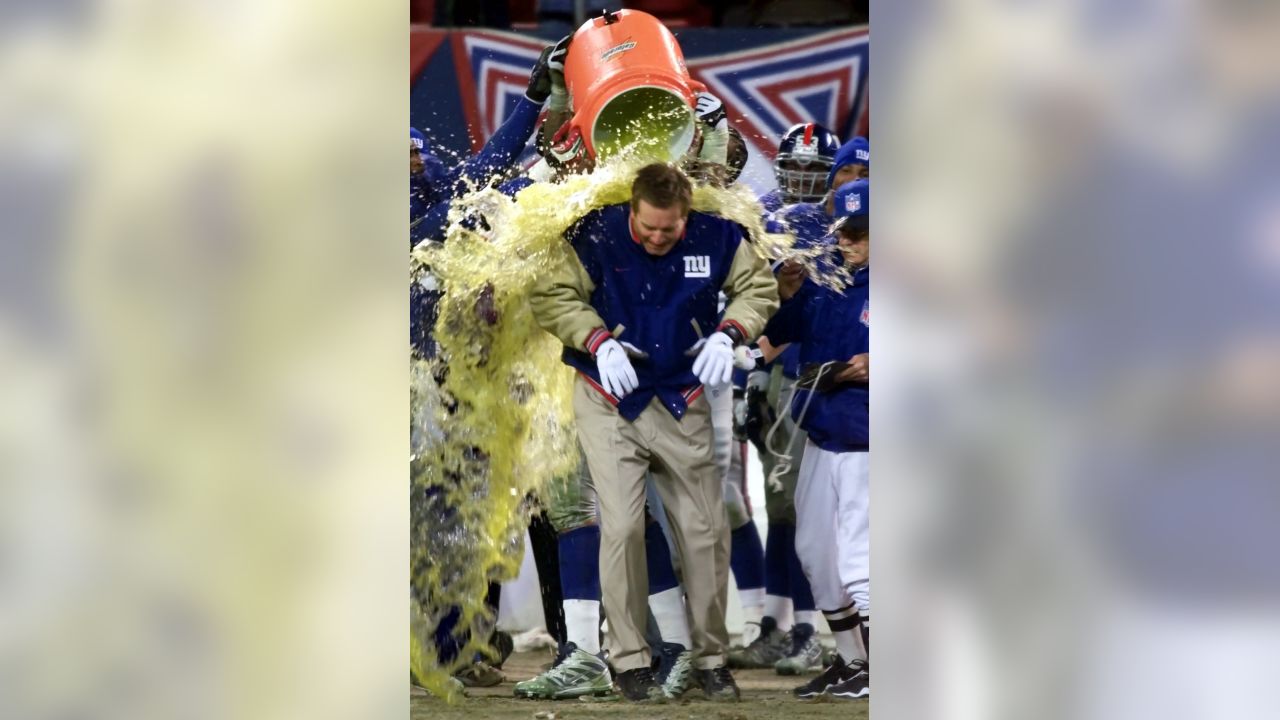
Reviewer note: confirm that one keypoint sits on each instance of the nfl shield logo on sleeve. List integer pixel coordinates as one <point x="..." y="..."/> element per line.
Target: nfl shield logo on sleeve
<point x="865" y="317"/>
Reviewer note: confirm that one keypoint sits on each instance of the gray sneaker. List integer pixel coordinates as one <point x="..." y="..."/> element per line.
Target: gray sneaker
<point x="805" y="654"/>
<point x="763" y="652"/>
<point x="579" y="673"/>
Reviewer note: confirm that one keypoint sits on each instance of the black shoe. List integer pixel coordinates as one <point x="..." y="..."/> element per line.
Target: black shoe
<point x="502" y="642"/>
<point x="838" y="673"/>
<point x="858" y="686"/>
<point x="639" y="685"/>
<point x="718" y="684"/>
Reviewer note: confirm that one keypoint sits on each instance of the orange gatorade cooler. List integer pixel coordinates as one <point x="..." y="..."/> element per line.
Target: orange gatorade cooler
<point x="628" y="81"/>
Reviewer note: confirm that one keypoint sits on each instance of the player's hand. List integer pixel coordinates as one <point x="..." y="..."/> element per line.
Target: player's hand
<point x="555" y="61"/>
<point x="858" y="370"/>
<point x="710" y="111"/>
<point x="714" y="364"/>
<point x="540" y="78"/>
<point x="748" y="357"/>
<point x="567" y="146"/>
<point x="714" y="148"/>
<point x="616" y="374"/>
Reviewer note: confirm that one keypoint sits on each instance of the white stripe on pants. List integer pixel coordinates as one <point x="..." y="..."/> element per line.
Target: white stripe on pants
<point x="833" y="530"/>
<point x="727" y="451"/>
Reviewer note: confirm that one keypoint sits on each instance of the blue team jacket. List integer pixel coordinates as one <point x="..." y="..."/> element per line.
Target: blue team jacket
<point x="831" y="326"/>
<point x="811" y="225"/>
<point x="656" y="299"/>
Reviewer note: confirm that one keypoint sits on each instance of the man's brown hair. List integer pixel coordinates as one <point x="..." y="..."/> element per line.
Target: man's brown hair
<point x="662" y="185"/>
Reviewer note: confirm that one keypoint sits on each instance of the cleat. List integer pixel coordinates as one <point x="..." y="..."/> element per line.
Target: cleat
<point x="805" y="654"/>
<point x="576" y="673"/>
<point x="856" y="687"/>
<point x="675" y="670"/>
<point x="718" y="684"/>
<point x="765" y="651"/>
<point x="839" y="673"/>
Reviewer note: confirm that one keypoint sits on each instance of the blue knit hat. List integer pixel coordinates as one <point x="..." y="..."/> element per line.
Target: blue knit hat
<point x="855" y="152"/>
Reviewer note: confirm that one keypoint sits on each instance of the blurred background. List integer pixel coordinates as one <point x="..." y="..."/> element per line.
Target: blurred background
<point x="1075" y="491"/>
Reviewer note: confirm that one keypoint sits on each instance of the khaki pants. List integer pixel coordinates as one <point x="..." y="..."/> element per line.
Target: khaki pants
<point x="680" y="456"/>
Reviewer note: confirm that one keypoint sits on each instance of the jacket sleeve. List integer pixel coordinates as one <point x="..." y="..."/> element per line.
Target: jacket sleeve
<point x="431" y="224"/>
<point x="787" y="325"/>
<point x="560" y="302"/>
<point x="752" y="291"/>
<point x="501" y="151"/>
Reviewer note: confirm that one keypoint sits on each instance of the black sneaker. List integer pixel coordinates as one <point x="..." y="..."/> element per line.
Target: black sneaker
<point x="858" y="686"/>
<point x="639" y="685"/>
<point x="718" y="684"/>
<point x="838" y="673"/>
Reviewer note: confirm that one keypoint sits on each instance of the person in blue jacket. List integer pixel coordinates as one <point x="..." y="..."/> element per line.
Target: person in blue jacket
<point x="437" y="187"/>
<point x="792" y="649"/>
<point x="831" y="406"/>
<point x="635" y="304"/>
<point x="433" y="188"/>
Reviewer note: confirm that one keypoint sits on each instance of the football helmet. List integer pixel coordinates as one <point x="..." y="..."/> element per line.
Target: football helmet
<point x="805" y="156"/>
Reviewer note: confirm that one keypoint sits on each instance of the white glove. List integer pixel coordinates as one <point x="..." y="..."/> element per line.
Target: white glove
<point x="616" y="374"/>
<point x="633" y="351"/>
<point x="714" y="365"/>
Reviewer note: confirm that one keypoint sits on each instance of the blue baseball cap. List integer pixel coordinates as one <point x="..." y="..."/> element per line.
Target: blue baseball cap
<point x="855" y="152"/>
<point x="853" y="205"/>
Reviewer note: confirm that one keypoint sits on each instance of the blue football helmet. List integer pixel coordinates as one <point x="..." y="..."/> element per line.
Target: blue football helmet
<point x="805" y="156"/>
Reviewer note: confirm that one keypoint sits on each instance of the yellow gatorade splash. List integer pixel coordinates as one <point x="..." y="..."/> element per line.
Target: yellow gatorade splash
<point x="492" y="420"/>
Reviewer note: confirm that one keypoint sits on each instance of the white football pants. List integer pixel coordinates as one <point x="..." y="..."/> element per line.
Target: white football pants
<point x="833" y="530"/>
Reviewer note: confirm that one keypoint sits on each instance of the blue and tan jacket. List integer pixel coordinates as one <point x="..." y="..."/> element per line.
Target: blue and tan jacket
<point x="661" y="304"/>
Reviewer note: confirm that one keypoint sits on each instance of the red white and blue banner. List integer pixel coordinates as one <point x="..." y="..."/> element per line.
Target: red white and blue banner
<point x="464" y="82"/>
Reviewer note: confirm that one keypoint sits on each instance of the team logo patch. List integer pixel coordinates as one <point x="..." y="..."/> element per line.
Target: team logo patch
<point x="865" y="317"/>
<point x="852" y="202"/>
<point x="616" y="49"/>
<point x="863" y="155"/>
<point x="697" y="266"/>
